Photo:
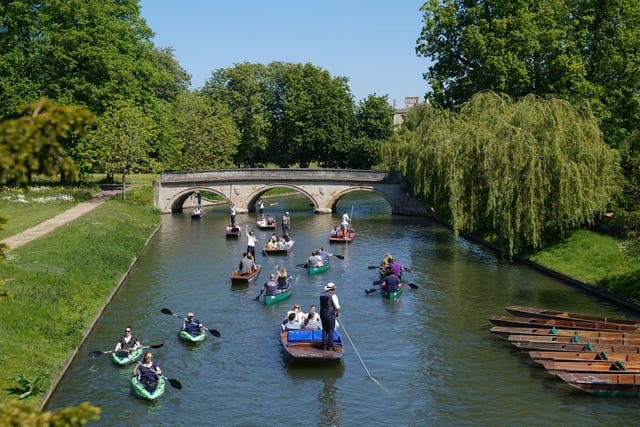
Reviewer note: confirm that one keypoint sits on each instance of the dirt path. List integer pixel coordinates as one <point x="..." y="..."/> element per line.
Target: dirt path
<point x="51" y="224"/>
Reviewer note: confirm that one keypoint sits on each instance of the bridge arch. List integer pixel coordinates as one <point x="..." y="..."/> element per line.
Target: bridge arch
<point x="323" y="187"/>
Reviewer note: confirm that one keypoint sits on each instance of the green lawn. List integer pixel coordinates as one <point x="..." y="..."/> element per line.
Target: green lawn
<point x="57" y="296"/>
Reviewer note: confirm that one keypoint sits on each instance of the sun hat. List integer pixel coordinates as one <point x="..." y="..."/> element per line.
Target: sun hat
<point x="329" y="286"/>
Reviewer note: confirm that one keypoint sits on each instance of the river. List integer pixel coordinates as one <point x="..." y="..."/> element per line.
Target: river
<point x="426" y="359"/>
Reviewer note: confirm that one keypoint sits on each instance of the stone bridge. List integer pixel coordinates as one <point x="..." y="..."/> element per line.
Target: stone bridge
<point x="324" y="187"/>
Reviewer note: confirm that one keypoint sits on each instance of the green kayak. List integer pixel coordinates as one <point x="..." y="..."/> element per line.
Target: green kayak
<point x="125" y="357"/>
<point x="392" y="295"/>
<point x="318" y="270"/>
<point x="186" y="336"/>
<point x="286" y="293"/>
<point x="140" y="391"/>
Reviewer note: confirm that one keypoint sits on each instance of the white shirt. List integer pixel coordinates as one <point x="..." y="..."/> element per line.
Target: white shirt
<point x="345" y="219"/>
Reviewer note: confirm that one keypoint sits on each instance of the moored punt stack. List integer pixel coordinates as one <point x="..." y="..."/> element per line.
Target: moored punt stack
<point x="550" y="314"/>
<point x="587" y="352"/>
<point x="534" y="322"/>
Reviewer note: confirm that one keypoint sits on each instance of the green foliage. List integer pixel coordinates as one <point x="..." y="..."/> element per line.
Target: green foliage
<point x="35" y="142"/>
<point x="587" y="52"/>
<point x="205" y="132"/>
<point x="16" y="413"/>
<point x="524" y="170"/>
<point x="122" y="141"/>
<point x="26" y="386"/>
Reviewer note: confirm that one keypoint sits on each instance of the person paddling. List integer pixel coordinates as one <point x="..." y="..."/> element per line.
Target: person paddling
<point x="148" y="372"/>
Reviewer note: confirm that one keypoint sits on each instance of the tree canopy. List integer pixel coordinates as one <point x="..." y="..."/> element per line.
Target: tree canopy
<point x="523" y="169"/>
<point x="582" y="51"/>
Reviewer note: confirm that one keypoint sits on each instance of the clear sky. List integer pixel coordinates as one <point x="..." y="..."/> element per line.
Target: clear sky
<point x="371" y="42"/>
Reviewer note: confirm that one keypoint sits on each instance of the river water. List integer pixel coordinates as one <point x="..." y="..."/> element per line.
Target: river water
<point x="427" y="359"/>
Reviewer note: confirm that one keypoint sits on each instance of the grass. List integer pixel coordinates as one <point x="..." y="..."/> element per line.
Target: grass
<point x="596" y="259"/>
<point x="52" y="297"/>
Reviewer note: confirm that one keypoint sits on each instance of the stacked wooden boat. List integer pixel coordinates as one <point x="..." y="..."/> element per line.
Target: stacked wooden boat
<point x="599" y="355"/>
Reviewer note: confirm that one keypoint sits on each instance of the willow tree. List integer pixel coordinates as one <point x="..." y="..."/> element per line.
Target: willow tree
<point x="522" y="170"/>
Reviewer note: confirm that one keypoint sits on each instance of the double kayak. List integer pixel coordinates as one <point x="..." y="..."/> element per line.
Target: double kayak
<point x="319" y="269"/>
<point x="140" y="390"/>
<point x="284" y="293"/>
<point x="186" y="336"/>
<point x="125" y="357"/>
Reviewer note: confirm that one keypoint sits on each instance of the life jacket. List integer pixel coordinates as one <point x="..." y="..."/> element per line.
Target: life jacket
<point x="191" y="326"/>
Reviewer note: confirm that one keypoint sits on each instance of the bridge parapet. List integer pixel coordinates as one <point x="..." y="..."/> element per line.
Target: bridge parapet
<point x="324" y="187"/>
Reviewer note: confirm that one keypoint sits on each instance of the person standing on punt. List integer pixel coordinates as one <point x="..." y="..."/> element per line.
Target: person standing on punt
<point x="345" y="224"/>
<point x="286" y="223"/>
<point x="329" y="312"/>
<point x="232" y="214"/>
<point x="251" y="242"/>
<point x="260" y="208"/>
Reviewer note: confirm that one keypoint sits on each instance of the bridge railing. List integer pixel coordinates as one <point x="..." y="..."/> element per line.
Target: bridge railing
<point x="269" y="175"/>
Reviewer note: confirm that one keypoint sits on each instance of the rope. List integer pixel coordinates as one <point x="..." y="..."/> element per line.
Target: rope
<point x="358" y="354"/>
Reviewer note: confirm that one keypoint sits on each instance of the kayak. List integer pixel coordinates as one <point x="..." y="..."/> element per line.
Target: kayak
<point x="320" y="269"/>
<point x="186" y="336"/>
<point x="140" y="391"/>
<point x="272" y="299"/>
<point x="124" y="357"/>
<point x="391" y="295"/>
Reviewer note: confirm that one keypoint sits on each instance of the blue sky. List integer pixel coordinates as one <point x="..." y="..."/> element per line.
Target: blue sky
<point x="372" y="43"/>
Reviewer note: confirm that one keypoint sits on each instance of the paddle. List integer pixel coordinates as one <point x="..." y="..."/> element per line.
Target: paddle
<point x="305" y="265"/>
<point x="371" y="290"/>
<point x="174" y="382"/>
<point x="97" y="353"/>
<point x="375" y="267"/>
<point x="339" y="256"/>
<point x="211" y="331"/>
<point x="411" y="285"/>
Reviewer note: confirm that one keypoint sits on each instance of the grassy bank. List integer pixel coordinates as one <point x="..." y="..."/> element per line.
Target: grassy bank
<point x="596" y="259"/>
<point x="58" y="282"/>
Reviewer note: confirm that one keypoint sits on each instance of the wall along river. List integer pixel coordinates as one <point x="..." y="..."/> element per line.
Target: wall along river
<point x="430" y="354"/>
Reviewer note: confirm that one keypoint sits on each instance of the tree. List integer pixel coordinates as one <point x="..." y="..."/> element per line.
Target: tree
<point x="243" y="89"/>
<point x="206" y="132"/>
<point x="15" y="413"/>
<point x="524" y="170"/>
<point x="122" y="142"/>
<point x="583" y="51"/>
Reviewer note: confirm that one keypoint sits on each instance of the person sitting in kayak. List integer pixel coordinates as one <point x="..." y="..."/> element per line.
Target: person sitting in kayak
<point x="315" y="260"/>
<point x="148" y="372"/>
<point x="396" y="267"/>
<point x="127" y="342"/>
<point x="281" y="278"/>
<point x="270" y="287"/>
<point x="391" y="283"/>
<point x="324" y="255"/>
<point x="192" y="325"/>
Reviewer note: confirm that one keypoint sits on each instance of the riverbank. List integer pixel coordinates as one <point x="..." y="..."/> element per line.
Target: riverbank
<point x="57" y="283"/>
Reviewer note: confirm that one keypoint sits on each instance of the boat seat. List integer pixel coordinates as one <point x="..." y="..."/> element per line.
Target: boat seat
<point x="303" y="335"/>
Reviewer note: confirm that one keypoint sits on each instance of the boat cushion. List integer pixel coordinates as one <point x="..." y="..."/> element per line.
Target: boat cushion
<point x="306" y="335"/>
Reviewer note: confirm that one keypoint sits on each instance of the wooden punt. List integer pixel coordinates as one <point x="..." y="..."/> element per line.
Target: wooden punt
<point x="573" y="339"/>
<point x="602" y="366"/>
<point x="263" y="224"/>
<point x="306" y="346"/>
<point x="574" y="347"/>
<point x="232" y="232"/>
<point x="603" y="383"/>
<point x="339" y="238"/>
<point x="568" y="356"/>
<point x="279" y="251"/>
<point x="197" y="213"/>
<point x="532" y="322"/>
<point x="551" y="314"/>
<point x="243" y="279"/>
<point x="505" y="331"/>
